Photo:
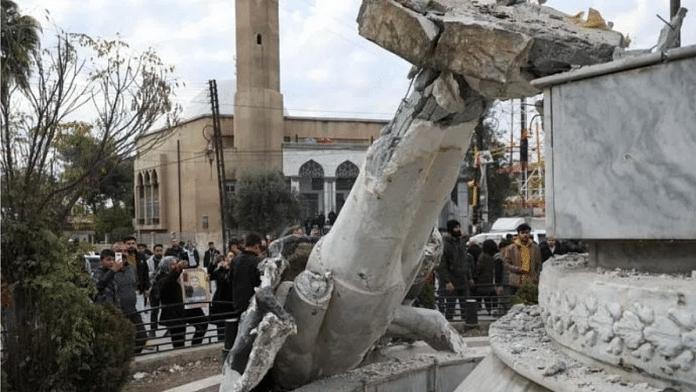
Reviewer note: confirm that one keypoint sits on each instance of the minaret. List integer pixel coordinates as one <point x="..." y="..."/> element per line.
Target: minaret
<point x="258" y="104"/>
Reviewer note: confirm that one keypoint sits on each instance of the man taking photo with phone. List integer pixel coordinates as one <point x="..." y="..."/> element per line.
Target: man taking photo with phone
<point x="116" y="281"/>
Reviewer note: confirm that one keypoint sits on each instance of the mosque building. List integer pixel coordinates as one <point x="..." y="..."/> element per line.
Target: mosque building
<point x="176" y="175"/>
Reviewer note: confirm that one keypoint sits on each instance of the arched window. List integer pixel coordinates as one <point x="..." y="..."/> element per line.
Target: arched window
<point x="140" y="189"/>
<point x="148" y="198"/>
<point x="155" y="198"/>
<point x="311" y="169"/>
<point x="346" y="173"/>
<point x="311" y="189"/>
<point x="312" y="173"/>
<point x="147" y="188"/>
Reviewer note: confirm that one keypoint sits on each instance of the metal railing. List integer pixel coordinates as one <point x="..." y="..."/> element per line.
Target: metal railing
<point x="469" y="309"/>
<point x="189" y="331"/>
<point x="473" y="307"/>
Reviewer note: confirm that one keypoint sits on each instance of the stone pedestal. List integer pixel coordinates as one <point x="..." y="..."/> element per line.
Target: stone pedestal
<point x="620" y="175"/>
<point x="639" y="324"/>
<point x="620" y="141"/>
<point x="620" y="162"/>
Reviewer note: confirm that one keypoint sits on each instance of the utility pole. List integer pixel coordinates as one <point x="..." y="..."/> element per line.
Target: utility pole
<point x="512" y="127"/>
<point x="481" y="179"/>
<point x="220" y="159"/>
<point x="524" y="145"/>
<point x="674" y="6"/>
<point x="178" y="176"/>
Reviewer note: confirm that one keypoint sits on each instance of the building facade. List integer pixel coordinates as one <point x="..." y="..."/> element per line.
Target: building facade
<point x="176" y="177"/>
<point x="176" y="183"/>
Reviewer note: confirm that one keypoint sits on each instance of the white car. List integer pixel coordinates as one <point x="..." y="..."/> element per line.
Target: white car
<point x="537" y="235"/>
<point x="92" y="262"/>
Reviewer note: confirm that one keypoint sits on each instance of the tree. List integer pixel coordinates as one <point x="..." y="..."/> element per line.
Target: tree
<point x="54" y="338"/>
<point x="56" y="156"/>
<point x="264" y="203"/>
<point x="49" y="158"/>
<point x="20" y="46"/>
<point x="116" y="221"/>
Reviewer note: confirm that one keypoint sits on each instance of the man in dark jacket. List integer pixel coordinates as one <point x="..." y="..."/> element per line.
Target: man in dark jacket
<point x="116" y="282"/>
<point x="177" y="250"/>
<point x="454" y="273"/>
<point x="550" y="247"/>
<point x="139" y="261"/>
<point x="221" y="307"/>
<point x="209" y="255"/>
<point x="246" y="275"/>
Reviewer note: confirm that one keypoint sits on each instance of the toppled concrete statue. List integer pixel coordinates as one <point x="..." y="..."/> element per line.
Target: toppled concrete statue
<point x="467" y="54"/>
<point x="262" y="331"/>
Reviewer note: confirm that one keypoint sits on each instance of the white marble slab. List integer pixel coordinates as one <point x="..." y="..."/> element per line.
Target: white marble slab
<point x="623" y="154"/>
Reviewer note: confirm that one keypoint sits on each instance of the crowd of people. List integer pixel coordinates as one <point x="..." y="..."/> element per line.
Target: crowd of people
<point x="491" y="270"/>
<point x="164" y="279"/>
<point x="168" y="279"/>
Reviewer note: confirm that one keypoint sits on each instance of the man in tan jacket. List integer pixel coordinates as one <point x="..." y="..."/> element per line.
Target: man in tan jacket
<point x="523" y="258"/>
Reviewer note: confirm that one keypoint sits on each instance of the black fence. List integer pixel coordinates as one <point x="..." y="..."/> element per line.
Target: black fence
<point x="196" y="328"/>
<point x="481" y="303"/>
<point x="209" y="328"/>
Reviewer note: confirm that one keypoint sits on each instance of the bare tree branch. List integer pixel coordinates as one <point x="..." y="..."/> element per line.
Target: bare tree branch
<point x="78" y="77"/>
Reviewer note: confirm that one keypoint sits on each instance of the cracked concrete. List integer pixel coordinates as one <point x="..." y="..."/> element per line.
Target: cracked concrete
<point x="498" y="49"/>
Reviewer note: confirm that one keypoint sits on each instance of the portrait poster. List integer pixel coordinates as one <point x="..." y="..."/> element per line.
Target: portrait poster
<point x="195" y="285"/>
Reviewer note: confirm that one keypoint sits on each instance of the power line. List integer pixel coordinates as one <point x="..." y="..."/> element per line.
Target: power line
<point x="296" y="109"/>
<point x="342" y="23"/>
<point x="192" y="101"/>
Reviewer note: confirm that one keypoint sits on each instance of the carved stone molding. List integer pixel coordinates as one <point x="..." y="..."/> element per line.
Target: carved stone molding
<point x="635" y="321"/>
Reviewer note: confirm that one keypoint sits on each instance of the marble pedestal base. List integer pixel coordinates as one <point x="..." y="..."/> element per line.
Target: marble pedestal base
<point x="626" y="320"/>
<point x="525" y="358"/>
<point x="654" y="256"/>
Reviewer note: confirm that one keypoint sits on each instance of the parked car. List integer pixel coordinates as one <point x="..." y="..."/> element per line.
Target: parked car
<point x="92" y="262"/>
<point x="537" y="235"/>
<point x="504" y="226"/>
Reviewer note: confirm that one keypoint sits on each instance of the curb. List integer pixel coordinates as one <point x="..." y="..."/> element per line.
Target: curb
<point x="479" y="345"/>
<point x="200" y="385"/>
<point x="151" y="362"/>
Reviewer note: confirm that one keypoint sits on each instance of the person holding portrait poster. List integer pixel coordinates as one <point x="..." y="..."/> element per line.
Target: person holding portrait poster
<point x="194" y="285"/>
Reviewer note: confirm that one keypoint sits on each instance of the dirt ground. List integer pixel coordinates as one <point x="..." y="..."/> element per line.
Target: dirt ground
<point x="168" y="377"/>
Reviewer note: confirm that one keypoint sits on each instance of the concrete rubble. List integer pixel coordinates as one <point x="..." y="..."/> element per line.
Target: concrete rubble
<point x="519" y="341"/>
<point x="498" y="49"/>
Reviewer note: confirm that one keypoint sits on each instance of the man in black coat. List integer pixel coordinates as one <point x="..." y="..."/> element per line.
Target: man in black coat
<point x="454" y="273"/>
<point x="246" y="275"/>
<point x="550" y="248"/>
<point x="139" y="261"/>
<point x="116" y="282"/>
<point x="209" y="255"/>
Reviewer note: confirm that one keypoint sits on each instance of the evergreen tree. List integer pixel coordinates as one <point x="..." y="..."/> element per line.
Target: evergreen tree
<point x="54" y="337"/>
<point x="264" y="203"/>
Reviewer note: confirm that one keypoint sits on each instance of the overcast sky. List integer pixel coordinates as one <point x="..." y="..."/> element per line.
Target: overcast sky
<point x="327" y="69"/>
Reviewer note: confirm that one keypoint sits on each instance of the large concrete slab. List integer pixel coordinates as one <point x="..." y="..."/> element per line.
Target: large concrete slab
<point x="498" y="48"/>
<point x="620" y="151"/>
